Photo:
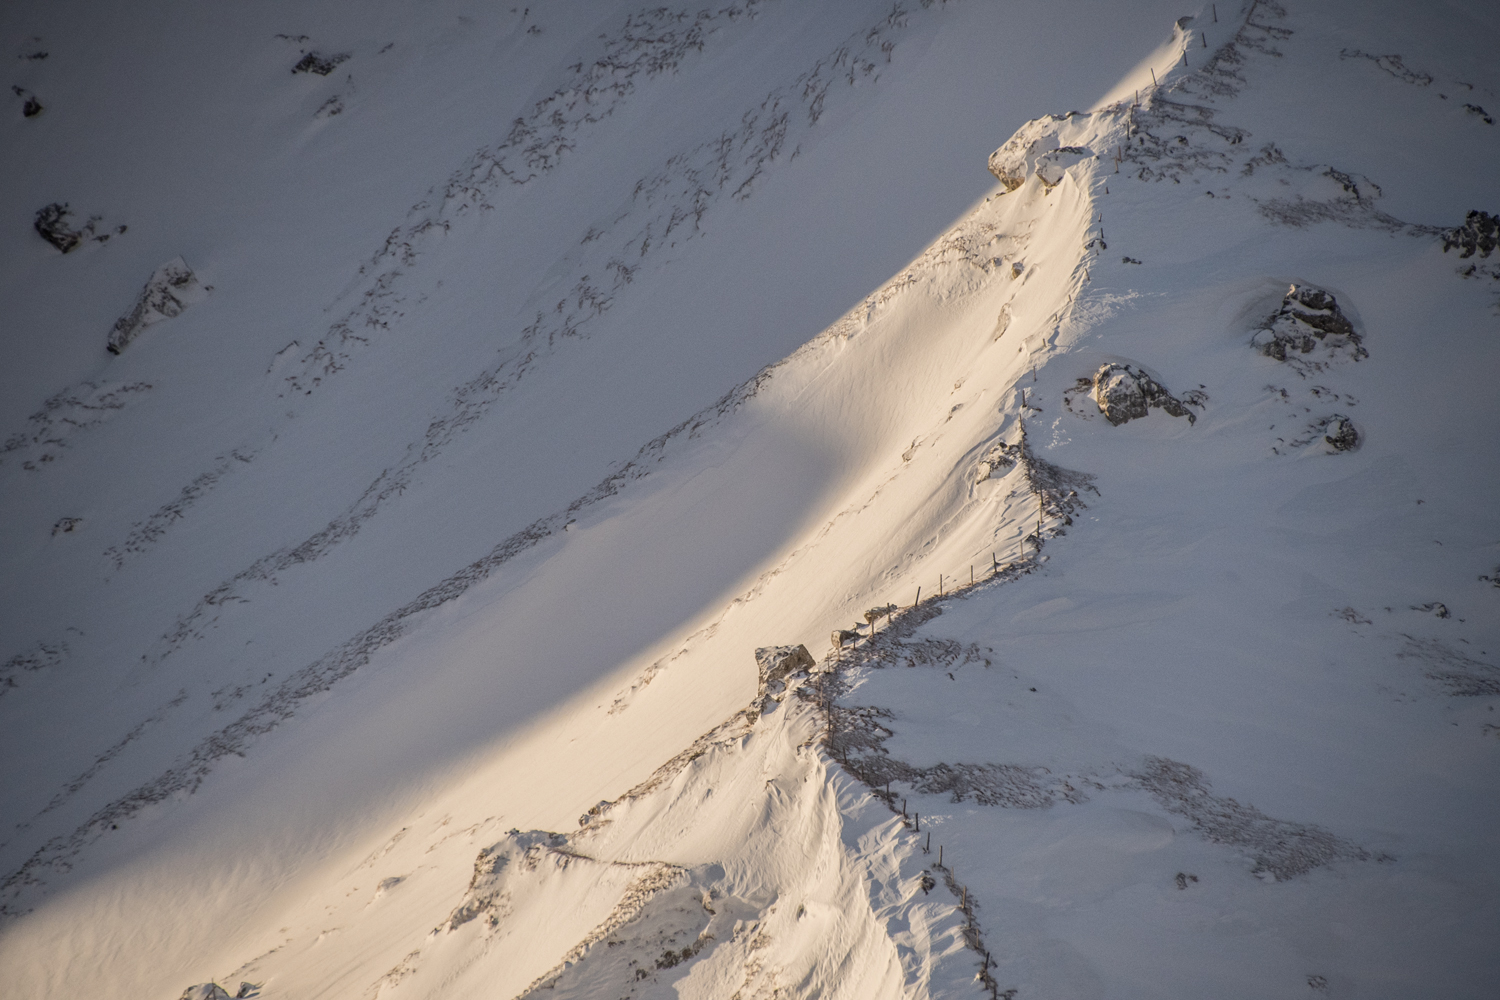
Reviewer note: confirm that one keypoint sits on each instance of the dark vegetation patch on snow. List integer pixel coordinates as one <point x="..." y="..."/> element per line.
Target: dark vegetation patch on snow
<point x="1281" y="850"/>
<point x="78" y="408"/>
<point x="144" y="534"/>
<point x="41" y="656"/>
<point x="317" y="62"/>
<point x="1392" y="64"/>
<point x="1458" y="673"/>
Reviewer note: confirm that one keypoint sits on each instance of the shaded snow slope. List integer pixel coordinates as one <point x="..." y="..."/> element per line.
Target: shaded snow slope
<point x="1216" y="715"/>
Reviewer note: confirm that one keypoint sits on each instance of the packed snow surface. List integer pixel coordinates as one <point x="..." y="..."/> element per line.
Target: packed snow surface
<point x="510" y="502"/>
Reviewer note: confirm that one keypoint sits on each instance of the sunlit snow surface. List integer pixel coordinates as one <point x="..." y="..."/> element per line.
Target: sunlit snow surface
<point x="381" y="620"/>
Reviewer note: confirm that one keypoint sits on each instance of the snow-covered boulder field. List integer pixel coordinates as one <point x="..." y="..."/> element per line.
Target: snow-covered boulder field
<point x="644" y="513"/>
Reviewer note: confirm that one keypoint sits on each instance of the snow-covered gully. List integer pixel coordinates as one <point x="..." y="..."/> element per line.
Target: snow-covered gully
<point x="1148" y="508"/>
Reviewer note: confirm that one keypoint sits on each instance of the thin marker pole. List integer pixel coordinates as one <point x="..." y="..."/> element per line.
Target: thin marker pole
<point x="919" y="597"/>
<point x="940" y="855"/>
<point x="1216" y="13"/>
<point x="1153" y="76"/>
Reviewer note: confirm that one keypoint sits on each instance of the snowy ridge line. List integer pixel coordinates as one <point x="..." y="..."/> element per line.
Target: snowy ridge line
<point x="680" y="193"/>
<point x="963" y="245"/>
<point x="1181" y="104"/>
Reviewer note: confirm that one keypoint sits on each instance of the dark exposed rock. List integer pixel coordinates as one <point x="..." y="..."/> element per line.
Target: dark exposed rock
<point x="316" y="62"/>
<point x="1309" y="317"/>
<point x="1479" y="234"/>
<point x="1123" y="393"/>
<point x="1340" y="433"/>
<point x="1479" y="113"/>
<point x="30" y="106"/>
<point x="51" y="222"/>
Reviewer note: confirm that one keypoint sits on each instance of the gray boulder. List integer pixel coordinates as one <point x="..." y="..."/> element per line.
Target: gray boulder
<point x="1124" y="393"/>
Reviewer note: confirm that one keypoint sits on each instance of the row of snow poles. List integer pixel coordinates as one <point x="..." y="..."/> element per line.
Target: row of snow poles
<point x="873" y="615"/>
<point x="1201" y="37"/>
<point x="971" y="932"/>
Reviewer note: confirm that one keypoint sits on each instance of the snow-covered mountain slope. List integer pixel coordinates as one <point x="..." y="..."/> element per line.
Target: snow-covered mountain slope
<point x="319" y="659"/>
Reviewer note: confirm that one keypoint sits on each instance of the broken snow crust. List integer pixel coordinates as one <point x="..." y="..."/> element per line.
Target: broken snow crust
<point x="401" y="640"/>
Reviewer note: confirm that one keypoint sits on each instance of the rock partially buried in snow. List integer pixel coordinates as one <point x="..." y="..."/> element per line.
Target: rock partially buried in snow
<point x="1125" y="393"/>
<point x="1309" y="317"/>
<point x="1050" y="167"/>
<point x="1012" y="163"/>
<point x="777" y="663"/>
<point x="1340" y="434"/>
<point x="172" y="288"/>
<point x="205" y="991"/>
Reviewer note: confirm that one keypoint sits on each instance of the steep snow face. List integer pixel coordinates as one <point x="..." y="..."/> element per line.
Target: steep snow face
<point x="1225" y="735"/>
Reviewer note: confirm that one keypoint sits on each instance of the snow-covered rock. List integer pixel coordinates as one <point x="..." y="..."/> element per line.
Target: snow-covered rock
<point x="1051" y="166"/>
<point x="1309" y="319"/>
<point x="171" y="289"/>
<point x="1124" y="392"/>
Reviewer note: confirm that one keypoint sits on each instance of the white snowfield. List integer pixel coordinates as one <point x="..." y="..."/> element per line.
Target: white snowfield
<point x="418" y="614"/>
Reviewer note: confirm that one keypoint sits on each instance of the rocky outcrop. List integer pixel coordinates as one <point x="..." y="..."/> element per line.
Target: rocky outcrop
<point x="172" y="288"/>
<point x="1309" y="320"/>
<point x="1340" y="434"/>
<point x="1479" y="234"/>
<point x="777" y="663"/>
<point x="1124" y="393"/>
<point x="1035" y="146"/>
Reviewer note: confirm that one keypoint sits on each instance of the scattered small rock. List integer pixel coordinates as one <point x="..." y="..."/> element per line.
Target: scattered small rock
<point x="1309" y="316"/>
<point x="66" y="526"/>
<point x="316" y="62"/>
<point x="1436" y="608"/>
<point x="1479" y="113"/>
<point x="1479" y="234"/>
<point x="1124" y="393"/>
<point x="172" y="288"/>
<point x="1128" y="260"/>
<point x="1183" y="878"/>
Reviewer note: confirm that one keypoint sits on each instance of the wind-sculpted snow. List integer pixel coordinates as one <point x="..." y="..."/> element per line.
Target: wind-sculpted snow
<point x="664" y="209"/>
<point x="1115" y="703"/>
<point x="672" y="203"/>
